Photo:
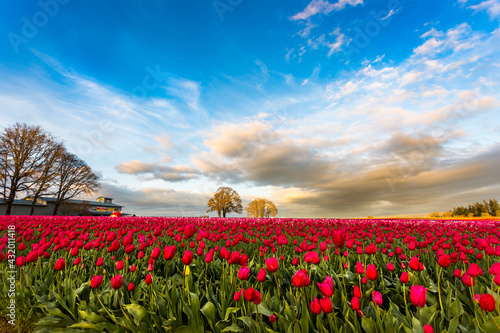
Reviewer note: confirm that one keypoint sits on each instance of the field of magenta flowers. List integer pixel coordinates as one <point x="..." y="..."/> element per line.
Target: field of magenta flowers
<point x="133" y="274"/>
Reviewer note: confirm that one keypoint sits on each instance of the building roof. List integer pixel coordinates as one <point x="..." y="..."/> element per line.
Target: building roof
<point x="22" y="203"/>
<point x="92" y="203"/>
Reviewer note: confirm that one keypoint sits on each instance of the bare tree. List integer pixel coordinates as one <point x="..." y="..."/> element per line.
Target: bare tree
<point x="225" y="200"/>
<point x="43" y="178"/>
<point x="261" y="208"/>
<point x="23" y="150"/>
<point x="73" y="177"/>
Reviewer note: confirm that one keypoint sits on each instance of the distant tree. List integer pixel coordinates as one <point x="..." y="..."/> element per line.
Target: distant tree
<point x="23" y="153"/>
<point x="435" y="214"/>
<point x="225" y="200"/>
<point x="261" y="208"/>
<point x="74" y="177"/>
<point x="493" y="207"/>
<point x="447" y="214"/>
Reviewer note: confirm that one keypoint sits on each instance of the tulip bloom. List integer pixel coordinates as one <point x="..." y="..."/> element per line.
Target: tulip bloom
<point x="468" y="280"/>
<point x="149" y="279"/>
<point x="261" y="277"/>
<point x="444" y="261"/>
<point x="326" y="287"/>
<point x="187" y="258"/>
<point x="169" y="252"/>
<point x="326" y="305"/>
<point x="390" y="267"/>
<point x="272" y="318"/>
<point x="131" y="286"/>
<point x="244" y="273"/>
<point x="312" y="257"/>
<point x="428" y="329"/>
<point x="237" y="296"/>
<point x="60" y="264"/>
<point x="377" y="298"/>
<point x="300" y="279"/>
<point x="487" y="302"/>
<point x="495" y="269"/>
<point x="272" y="264"/>
<point x="360" y="269"/>
<point x="404" y="278"/>
<point x="357" y="292"/>
<point x="252" y="295"/>
<point x="338" y="238"/>
<point x="96" y="281"/>
<point x="21" y="261"/>
<point x="418" y="295"/>
<point x="119" y="265"/>
<point x="371" y="272"/>
<point x="117" y="282"/>
<point x="474" y="270"/>
<point x="99" y="262"/>
<point x="315" y="306"/>
<point x="355" y="303"/>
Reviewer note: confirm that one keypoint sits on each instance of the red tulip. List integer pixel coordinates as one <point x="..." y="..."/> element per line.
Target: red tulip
<point x="474" y="270"/>
<point x="272" y="264"/>
<point x="404" y="278"/>
<point x="355" y="303"/>
<point x="418" y="295"/>
<point x="338" y="238"/>
<point x="415" y="264"/>
<point x="189" y="231"/>
<point x="360" y="269"/>
<point x="312" y="257"/>
<point x="300" y="279"/>
<point x="244" y="273"/>
<point x="315" y="306"/>
<point x="468" y="280"/>
<point x="96" y="281"/>
<point x="326" y="287"/>
<point x="357" y="292"/>
<point x="457" y="273"/>
<point x="326" y="305"/>
<point x="495" y="269"/>
<point x="20" y="261"/>
<point x="149" y="279"/>
<point x="237" y="296"/>
<point x="272" y="318"/>
<point x="119" y="265"/>
<point x="390" y="267"/>
<point x="187" y="259"/>
<point x="377" y="298"/>
<point x="428" y="329"/>
<point x="444" y="261"/>
<point x="60" y="264"/>
<point x="261" y="277"/>
<point x="371" y="272"/>
<point x="252" y="295"/>
<point x="169" y="252"/>
<point x="117" y="282"/>
<point x="487" y="302"/>
<point x="99" y="262"/>
<point x="155" y="254"/>
<point x="295" y="261"/>
<point x="131" y="286"/>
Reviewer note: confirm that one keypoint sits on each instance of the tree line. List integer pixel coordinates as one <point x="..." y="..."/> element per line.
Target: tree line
<point x="34" y="163"/>
<point x="477" y="209"/>
<point x="226" y="200"/>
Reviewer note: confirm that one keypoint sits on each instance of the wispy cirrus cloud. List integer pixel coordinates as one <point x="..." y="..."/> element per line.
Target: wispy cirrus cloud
<point x="323" y="7"/>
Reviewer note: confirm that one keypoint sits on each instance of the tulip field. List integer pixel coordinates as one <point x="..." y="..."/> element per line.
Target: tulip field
<point x="138" y="274"/>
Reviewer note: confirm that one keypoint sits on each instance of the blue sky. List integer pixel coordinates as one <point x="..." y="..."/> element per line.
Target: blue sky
<point x="328" y="108"/>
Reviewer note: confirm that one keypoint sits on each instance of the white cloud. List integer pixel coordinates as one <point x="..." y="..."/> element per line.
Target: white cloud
<point x="491" y="6"/>
<point x="323" y="7"/>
